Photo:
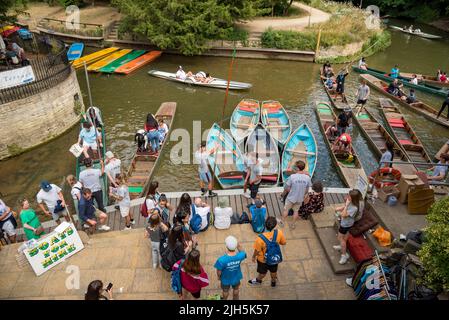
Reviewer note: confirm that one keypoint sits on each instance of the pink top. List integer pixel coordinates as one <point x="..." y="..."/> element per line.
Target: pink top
<point x="190" y="282"/>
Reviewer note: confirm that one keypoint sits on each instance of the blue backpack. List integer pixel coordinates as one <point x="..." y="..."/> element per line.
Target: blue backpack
<point x="273" y="254"/>
<point x="258" y="218"/>
<point x="196" y="221"/>
<point x="176" y="279"/>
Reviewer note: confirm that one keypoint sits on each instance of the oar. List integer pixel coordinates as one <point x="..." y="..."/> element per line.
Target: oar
<point x="278" y="126"/>
<point x="302" y="152"/>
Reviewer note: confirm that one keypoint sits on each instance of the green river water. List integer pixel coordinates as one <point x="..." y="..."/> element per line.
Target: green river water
<point x="125" y="101"/>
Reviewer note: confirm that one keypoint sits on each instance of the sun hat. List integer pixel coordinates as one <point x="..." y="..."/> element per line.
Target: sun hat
<point x="223" y="202"/>
<point x="45" y="185"/>
<point x="231" y="243"/>
<point x="109" y="155"/>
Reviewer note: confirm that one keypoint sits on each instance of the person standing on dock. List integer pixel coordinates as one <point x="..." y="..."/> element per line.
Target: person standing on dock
<point x="52" y="196"/>
<point x="201" y="157"/>
<point x="443" y="106"/>
<point x="90" y="178"/>
<point x="112" y="167"/>
<point x="363" y="93"/>
<point x="267" y="252"/>
<point x="254" y="176"/>
<point x="297" y="188"/>
<point x="121" y="194"/>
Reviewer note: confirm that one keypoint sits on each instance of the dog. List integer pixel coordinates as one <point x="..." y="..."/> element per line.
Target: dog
<point x="142" y="140"/>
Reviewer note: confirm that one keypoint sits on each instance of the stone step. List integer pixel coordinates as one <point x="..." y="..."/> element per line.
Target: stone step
<point x="327" y="237"/>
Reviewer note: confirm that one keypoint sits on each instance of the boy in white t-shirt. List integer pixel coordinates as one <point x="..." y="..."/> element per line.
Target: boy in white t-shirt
<point x="203" y="210"/>
<point x="121" y="194"/>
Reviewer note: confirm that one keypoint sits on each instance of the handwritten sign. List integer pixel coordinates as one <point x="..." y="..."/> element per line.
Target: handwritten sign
<point x="362" y="186"/>
<point x="16" y="77"/>
<point x="54" y="248"/>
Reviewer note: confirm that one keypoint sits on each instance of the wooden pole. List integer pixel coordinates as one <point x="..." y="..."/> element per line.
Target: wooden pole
<point x="317" y="50"/>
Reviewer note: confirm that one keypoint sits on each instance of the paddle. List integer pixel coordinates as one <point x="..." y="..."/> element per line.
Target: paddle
<point x="226" y="144"/>
<point x="301" y="152"/>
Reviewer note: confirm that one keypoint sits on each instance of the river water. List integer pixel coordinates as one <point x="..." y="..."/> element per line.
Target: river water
<point x="125" y="101"/>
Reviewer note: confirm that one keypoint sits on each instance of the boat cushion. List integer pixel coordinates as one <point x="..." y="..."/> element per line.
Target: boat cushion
<point x="248" y="104"/>
<point x="270" y="178"/>
<point x="324" y="111"/>
<point x="395" y="120"/>
<point x="232" y="178"/>
<point x="363" y="117"/>
<point x="135" y="189"/>
<point x="251" y="110"/>
<point x="397" y="125"/>
<point x="405" y="142"/>
<point x="271" y="105"/>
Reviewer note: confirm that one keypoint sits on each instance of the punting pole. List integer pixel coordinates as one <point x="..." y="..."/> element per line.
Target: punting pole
<point x="88" y="84"/>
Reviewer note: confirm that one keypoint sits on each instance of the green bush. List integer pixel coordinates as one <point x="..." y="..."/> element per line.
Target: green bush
<point x="289" y="40"/>
<point x="235" y="34"/>
<point x="66" y="3"/>
<point x="434" y="253"/>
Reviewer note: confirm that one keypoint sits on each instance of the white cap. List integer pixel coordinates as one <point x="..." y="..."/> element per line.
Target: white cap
<point x="109" y="155"/>
<point x="231" y="243"/>
<point x="343" y="138"/>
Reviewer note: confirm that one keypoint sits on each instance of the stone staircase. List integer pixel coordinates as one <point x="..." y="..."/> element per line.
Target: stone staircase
<point x="113" y="34"/>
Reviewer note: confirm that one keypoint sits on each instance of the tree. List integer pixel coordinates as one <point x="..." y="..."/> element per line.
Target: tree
<point x="10" y="9"/>
<point x="179" y="24"/>
<point x="434" y="253"/>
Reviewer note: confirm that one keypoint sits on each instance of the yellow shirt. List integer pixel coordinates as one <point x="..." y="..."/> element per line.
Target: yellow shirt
<point x="261" y="248"/>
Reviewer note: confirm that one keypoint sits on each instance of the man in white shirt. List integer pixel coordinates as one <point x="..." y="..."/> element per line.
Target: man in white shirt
<point x="203" y="209"/>
<point x="223" y="214"/>
<point x="112" y="167"/>
<point x="91" y="179"/>
<point x="52" y="196"/>
<point x="180" y="74"/>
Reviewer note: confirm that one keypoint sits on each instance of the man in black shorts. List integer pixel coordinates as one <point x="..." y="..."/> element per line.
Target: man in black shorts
<point x="260" y="249"/>
<point x="362" y="96"/>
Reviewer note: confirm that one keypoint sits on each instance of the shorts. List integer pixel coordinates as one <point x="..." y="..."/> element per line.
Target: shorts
<point x="344" y="230"/>
<point x="9" y="229"/>
<point x="92" y="145"/>
<point x="362" y="102"/>
<point x="263" y="268"/>
<point x="98" y="212"/>
<point x="289" y="205"/>
<point x="226" y="288"/>
<point x="205" y="177"/>
<point x="340" y="89"/>
<point x="254" y="188"/>
<point x="58" y="215"/>
<point x="124" y="211"/>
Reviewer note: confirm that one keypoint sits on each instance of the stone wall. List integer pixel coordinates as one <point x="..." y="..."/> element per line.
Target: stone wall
<point x="29" y="122"/>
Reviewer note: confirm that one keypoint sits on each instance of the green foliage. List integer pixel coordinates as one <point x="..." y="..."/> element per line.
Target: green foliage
<point x="235" y="34"/>
<point x="178" y="24"/>
<point x="289" y="40"/>
<point x="274" y="7"/>
<point x="10" y="9"/>
<point x="434" y="253"/>
<point x="66" y="3"/>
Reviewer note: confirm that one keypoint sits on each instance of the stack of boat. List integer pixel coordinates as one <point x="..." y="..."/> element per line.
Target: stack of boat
<point x="262" y="129"/>
<point x="111" y="60"/>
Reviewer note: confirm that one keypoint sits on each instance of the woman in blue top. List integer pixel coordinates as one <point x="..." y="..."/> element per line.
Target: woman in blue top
<point x="395" y="72"/>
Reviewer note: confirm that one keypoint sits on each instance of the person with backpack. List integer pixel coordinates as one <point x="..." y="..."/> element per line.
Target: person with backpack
<point x="151" y="200"/>
<point x="182" y="219"/>
<point x="165" y="208"/>
<point x="267" y="252"/>
<point x="185" y="204"/>
<point x="257" y="216"/>
<point x="348" y="214"/>
<point x="175" y="249"/>
<point x="203" y="210"/>
<point x="228" y="268"/>
<point x="192" y="276"/>
<point x="155" y="232"/>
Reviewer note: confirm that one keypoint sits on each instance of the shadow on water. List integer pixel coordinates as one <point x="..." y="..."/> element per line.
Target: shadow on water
<point x="125" y="101"/>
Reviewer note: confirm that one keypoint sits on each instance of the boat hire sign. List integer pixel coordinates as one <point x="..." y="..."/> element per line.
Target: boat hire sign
<point x="16" y="77"/>
<point x="54" y="248"/>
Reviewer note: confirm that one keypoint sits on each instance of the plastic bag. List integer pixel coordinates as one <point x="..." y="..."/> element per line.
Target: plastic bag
<point x="383" y="236"/>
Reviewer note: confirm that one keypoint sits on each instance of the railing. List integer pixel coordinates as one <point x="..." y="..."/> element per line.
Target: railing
<point x="50" y="67"/>
<point x="83" y="29"/>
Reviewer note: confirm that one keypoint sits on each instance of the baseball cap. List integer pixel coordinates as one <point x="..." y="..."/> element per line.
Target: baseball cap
<point x="343" y="138"/>
<point x="231" y="243"/>
<point x="45" y="185"/>
<point x="109" y="155"/>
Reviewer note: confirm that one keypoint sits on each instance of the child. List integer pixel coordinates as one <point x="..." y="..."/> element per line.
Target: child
<point x="121" y="194"/>
<point x="165" y="208"/>
<point x="314" y="203"/>
<point x="163" y="129"/>
<point x="329" y="83"/>
<point x="258" y="215"/>
<point x="155" y="231"/>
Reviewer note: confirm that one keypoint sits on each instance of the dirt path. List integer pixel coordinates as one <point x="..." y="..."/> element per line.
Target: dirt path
<point x="259" y="25"/>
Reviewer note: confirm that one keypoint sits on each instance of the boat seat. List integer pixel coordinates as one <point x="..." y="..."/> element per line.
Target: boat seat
<point x="266" y="163"/>
<point x="248" y="104"/>
<point x="247" y="109"/>
<point x="406" y="142"/>
<point x="397" y="125"/>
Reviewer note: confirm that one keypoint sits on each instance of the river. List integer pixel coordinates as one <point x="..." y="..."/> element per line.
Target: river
<point x="125" y="101"/>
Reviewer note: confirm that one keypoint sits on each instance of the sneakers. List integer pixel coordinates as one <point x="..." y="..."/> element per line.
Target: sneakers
<point x="338" y="247"/>
<point x="344" y="258"/>
<point x="211" y="194"/>
<point x="127" y="228"/>
<point x="349" y="282"/>
<point x="133" y="222"/>
<point x="155" y="266"/>
<point x="273" y="284"/>
<point x="203" y="192"/>
<point x="255" y="282"/>
<point x="280" y="223"/>
<point x="104" y="228"/>
<point x="247" y="195"/>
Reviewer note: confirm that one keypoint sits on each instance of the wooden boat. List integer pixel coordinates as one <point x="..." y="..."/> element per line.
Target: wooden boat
<point x="142" y="166"/>
<point x="417" y="33"/>
<point x="301" y="145"/>
<point x="141" y="61"/>
<point x="443" y="149"/>
<point x="227" y="163"/>
<point x="90" y="58"/>
<point x="110" y="68"/>
<point x="348" y="171"/>
<point x="107" y="60"/>
<point x="378" y="137"/>
<point x="262" y="143"/>
<point x="95" y="156"/>
<point x="417" y="107"/>
<point x="404" y="133"/>
<point x="215" y="83"/>
<point x="276" y="120"/>
<point x="75" y="51"/>
<point x="405" y="79"/>
<point x="337" y="104"/>
<point x="244" y="119"/>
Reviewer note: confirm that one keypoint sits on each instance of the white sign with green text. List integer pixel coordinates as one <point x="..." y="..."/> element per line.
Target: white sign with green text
<point x="54" y="248"/>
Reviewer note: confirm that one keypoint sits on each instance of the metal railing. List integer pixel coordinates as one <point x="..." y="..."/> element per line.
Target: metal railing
<point x="83" y="29"/>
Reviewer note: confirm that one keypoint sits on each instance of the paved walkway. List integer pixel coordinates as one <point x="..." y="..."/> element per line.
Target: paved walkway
<point x="259" y="25"/>
<point x="124" y="258"/>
